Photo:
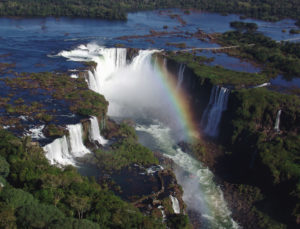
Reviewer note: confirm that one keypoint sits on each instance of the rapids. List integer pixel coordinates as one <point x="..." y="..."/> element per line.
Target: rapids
<point x="134" y="90"/>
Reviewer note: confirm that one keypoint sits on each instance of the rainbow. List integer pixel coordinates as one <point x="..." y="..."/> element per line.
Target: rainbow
<point x="179" y="99"/>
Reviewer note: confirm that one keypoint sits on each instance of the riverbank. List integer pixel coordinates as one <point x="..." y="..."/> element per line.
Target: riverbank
<point x="242" y="148"/>
<point x="117" y="10"/>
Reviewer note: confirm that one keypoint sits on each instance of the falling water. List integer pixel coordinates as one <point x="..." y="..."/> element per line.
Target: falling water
<point x="277" y="122"/>
<point x="108" y="61"/>
<point x="135" y="88"/>
<point x="93" y="81"/>
<point x="213" y="112"/>
<point x="64" y="151"/>
<point x="201" y="194"/>
<point x="77" y="148"/>
<point x="180" y="75"/>
<point x="57" y="152"/>
<point x="175" y="204"/>
<point x="95" y="135"/>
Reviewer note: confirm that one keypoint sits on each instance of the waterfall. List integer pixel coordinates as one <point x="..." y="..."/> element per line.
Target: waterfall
<point x="77" y="148"/>
<point x="108" y="60"/>
<point x="142" y="57"/>
<point x="95" y="135"/>
<point x="93" y="82"/>
<point x="57" y="152"/>
<point x="136" y="89"/>
<point x="180" y="75"/>
<point x="175" y="204"/>
<point x="164" y="217"/>
<point x="200" y="192"/>
<point x="277" y="122"/>
<point x="63" y="151"/>
<point x="213" y="112"/>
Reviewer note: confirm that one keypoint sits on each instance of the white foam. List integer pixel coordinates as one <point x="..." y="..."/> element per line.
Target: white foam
<point x="58" y="152"/>
<point x="74" y="76"/>
<point x="175" y="204"/>
<point x="77" y="147"/>
<point x="200" y="191"/>
<point x="262" y="85"/>
<point x="213" y="112"/>
<point x="63" y="151"/>
<point x="36" y="132"/>
<point x="94" y="133"/>
<point x="277" y="122"/>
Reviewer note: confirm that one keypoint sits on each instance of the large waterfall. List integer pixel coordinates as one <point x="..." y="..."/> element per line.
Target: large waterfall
<point x="136" y="90"/>
<point x="277" y="122"/>
<point x="95" y="135"/>
<point x="63" y="151"/>
<point x="108" y="62"/>
<point x="213" y="112"/>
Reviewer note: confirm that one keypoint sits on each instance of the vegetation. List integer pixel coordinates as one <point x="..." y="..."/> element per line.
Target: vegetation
<point x="38" y="195"/>
<point x="217" y="74"/>
<point x="244" y="26"/>
<point x="276" y="57"/>
<point x="295" y="31"/>
<point x="124" y="152"/>
<point x="252" y="114"/>
<point x="54" y="131"/>
<point x="80" y="99"/>
<point x="179" y="221"/>
<point x="270" y="10"/>
<point x="255" y="153"/>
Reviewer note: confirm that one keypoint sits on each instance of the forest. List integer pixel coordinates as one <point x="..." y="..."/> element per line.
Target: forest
<point x="35" y="194"/>
<point x="277" y="57"/>
<point x="270" y="10"/>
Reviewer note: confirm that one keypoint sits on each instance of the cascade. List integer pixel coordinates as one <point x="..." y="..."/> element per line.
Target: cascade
<point x="77" y="148"/>
<point x="94" y="134"/>
<point x="142" y="57"/>
<point x="139" y="86"/>
<point x="164" y="217"/>
<point x="277" y="122"/>
<point x="63" y="151"/>
<point x="36" y="132"/>
<point x="108" y="60"/>
<point x="92" y="81"/>
<point x="175" y="204"/>
<point x="57" y="152"/>
<point x="201" y="194"/>
<point x="180" y="75"/>
<point x="213" y="112"/>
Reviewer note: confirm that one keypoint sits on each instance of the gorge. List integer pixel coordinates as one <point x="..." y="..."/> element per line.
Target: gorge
<point x="161" y="137"/>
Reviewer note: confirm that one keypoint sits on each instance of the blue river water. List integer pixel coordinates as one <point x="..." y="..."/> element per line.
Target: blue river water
<point x="32" y="42"/>
<point x="33" y="45"/>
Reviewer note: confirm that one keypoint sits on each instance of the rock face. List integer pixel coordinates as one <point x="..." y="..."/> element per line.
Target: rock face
<point x="197" y="91"/>
<point x="168" y="198"/>
<point x="258" y="131"/>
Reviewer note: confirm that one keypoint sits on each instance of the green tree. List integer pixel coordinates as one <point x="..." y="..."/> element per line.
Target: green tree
<point x="71" y="223"/>
<point x="37" y="215"/>
<point x="4" y="167"/>
<point x="80" y="204"/>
